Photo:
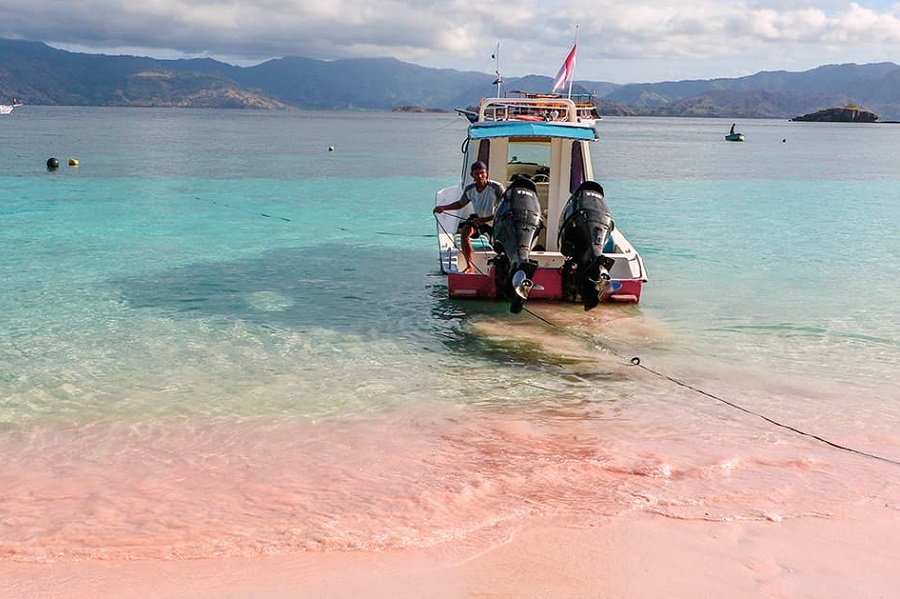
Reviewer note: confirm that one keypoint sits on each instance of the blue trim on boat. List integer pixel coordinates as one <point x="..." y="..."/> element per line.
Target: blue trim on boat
<point x="488" y="129"/>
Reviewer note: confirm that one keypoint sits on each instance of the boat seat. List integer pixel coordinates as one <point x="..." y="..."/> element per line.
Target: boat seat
<point x="482" y="242"/>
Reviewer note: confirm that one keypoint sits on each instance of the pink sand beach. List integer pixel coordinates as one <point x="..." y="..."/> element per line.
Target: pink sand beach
<point x="531" y="502"/>
<point x="848" y="554"/>
<point x="615" y="482"/>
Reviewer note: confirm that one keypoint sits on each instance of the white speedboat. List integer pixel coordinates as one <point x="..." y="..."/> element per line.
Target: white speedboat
<point x="553" y="234"/>
<point x="8" y="108"/>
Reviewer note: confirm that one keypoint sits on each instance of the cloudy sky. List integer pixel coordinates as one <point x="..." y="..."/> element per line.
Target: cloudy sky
<point x="622" y="42"/>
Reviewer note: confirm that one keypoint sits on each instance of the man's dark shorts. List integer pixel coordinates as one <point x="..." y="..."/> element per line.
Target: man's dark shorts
<point x="482" y="229"/>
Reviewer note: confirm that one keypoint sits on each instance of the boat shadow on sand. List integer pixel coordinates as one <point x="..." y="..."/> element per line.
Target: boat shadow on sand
<point x="556" y="336"/>
<point x="352" y="290"/>
<point x="368" y="293"/>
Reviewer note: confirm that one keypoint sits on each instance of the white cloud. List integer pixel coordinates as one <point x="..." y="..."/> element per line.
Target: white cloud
<point x="644" y="40"/>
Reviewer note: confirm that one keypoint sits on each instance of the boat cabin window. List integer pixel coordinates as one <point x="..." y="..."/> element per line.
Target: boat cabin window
<point x="529" y="159"/>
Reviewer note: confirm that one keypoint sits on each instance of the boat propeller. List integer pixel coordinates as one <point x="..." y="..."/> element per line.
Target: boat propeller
<point x="521" y="284"/>
<point x="602" y="281"/>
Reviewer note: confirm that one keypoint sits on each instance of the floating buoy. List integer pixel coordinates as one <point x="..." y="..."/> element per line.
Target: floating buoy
<point x="331" y="148"/>
<point x="52" y="164"/>
<point x="73" y="162"/>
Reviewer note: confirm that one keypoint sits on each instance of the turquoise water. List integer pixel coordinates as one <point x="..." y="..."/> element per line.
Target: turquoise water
<point x="158" y="242"/>
<point x="222" y="275"/>
<point x="784" y="245"/>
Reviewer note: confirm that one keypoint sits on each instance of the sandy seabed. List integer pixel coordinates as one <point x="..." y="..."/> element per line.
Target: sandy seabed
<point x="693" y="501"/>
<point x="853" y="554"/>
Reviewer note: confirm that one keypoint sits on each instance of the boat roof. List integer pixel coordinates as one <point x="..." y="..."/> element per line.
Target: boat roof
<point x="547" y="118"/>
<point x="491" y="129"/>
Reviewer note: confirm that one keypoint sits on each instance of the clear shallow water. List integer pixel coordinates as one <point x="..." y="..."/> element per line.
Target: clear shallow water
<point x="219" y="338"/>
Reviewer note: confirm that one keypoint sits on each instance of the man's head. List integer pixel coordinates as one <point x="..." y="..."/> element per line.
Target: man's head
<point x="480" y="174"/>
<point x="478" y="166"/>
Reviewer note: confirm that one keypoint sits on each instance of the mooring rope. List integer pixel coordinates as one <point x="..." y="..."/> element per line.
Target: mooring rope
<point x="636" y="361"/>
<point x="239" y="209"/>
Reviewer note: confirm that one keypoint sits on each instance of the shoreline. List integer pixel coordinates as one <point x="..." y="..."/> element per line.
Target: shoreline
<point x="635" y="554"/>
<point x="589" y="501"/>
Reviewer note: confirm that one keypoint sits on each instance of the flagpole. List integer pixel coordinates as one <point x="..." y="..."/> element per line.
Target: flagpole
<point x="497" y="70"/>
<point x="572" y="75"/>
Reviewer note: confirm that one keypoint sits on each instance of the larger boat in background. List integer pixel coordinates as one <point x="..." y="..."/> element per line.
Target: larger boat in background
<point x="553" y="234"/>
<point x="544" y="109"/>
<point x="8" y="108"/>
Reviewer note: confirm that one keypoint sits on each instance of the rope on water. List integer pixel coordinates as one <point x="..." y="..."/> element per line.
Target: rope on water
<point x="636" y="361"/>
<point x="244" y="210"/>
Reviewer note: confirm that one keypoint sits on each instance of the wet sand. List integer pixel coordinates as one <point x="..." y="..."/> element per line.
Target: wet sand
<point x="616" y="484"/>
<point x="851" y="554"/>
<point x="787" y="518"/>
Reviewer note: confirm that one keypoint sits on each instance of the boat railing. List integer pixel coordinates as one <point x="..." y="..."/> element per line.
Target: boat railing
<point x="580" y="98"/>
<point x="508" y="109"/>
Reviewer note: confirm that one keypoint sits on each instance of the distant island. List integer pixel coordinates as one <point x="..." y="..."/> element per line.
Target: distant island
<point x="840" y="114"/>
<point x="419" y="109"/>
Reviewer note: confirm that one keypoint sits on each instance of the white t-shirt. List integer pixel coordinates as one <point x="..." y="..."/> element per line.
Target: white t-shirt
<point x="485" y="201"/>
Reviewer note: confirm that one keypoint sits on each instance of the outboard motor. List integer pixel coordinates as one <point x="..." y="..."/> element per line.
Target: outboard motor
<point x="517" y="223"/>
<point x="583" y="232"/>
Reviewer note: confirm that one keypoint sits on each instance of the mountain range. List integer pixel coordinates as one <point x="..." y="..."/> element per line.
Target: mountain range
<point x="38" y="74"/>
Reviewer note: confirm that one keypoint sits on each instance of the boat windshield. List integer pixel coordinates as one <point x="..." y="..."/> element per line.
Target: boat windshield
<point x="530" y="158"/>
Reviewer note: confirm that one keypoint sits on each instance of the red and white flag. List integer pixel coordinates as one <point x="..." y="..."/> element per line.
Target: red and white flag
<point x="565" y="71"/>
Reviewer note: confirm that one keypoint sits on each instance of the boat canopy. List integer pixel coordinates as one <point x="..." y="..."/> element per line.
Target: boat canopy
<point x="489" y="129"/>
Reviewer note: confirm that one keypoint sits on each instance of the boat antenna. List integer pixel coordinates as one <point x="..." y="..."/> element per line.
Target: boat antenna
<point x="499" y="80"/>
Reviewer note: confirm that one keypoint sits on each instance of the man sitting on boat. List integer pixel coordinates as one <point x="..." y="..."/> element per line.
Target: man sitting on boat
<point x="484" y="195"/>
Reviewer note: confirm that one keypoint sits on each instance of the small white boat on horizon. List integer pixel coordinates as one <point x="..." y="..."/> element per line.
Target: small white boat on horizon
<point x="8" y="108"/>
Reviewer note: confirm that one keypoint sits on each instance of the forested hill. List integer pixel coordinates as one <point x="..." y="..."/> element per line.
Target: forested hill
<point x="40" y="75"/>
